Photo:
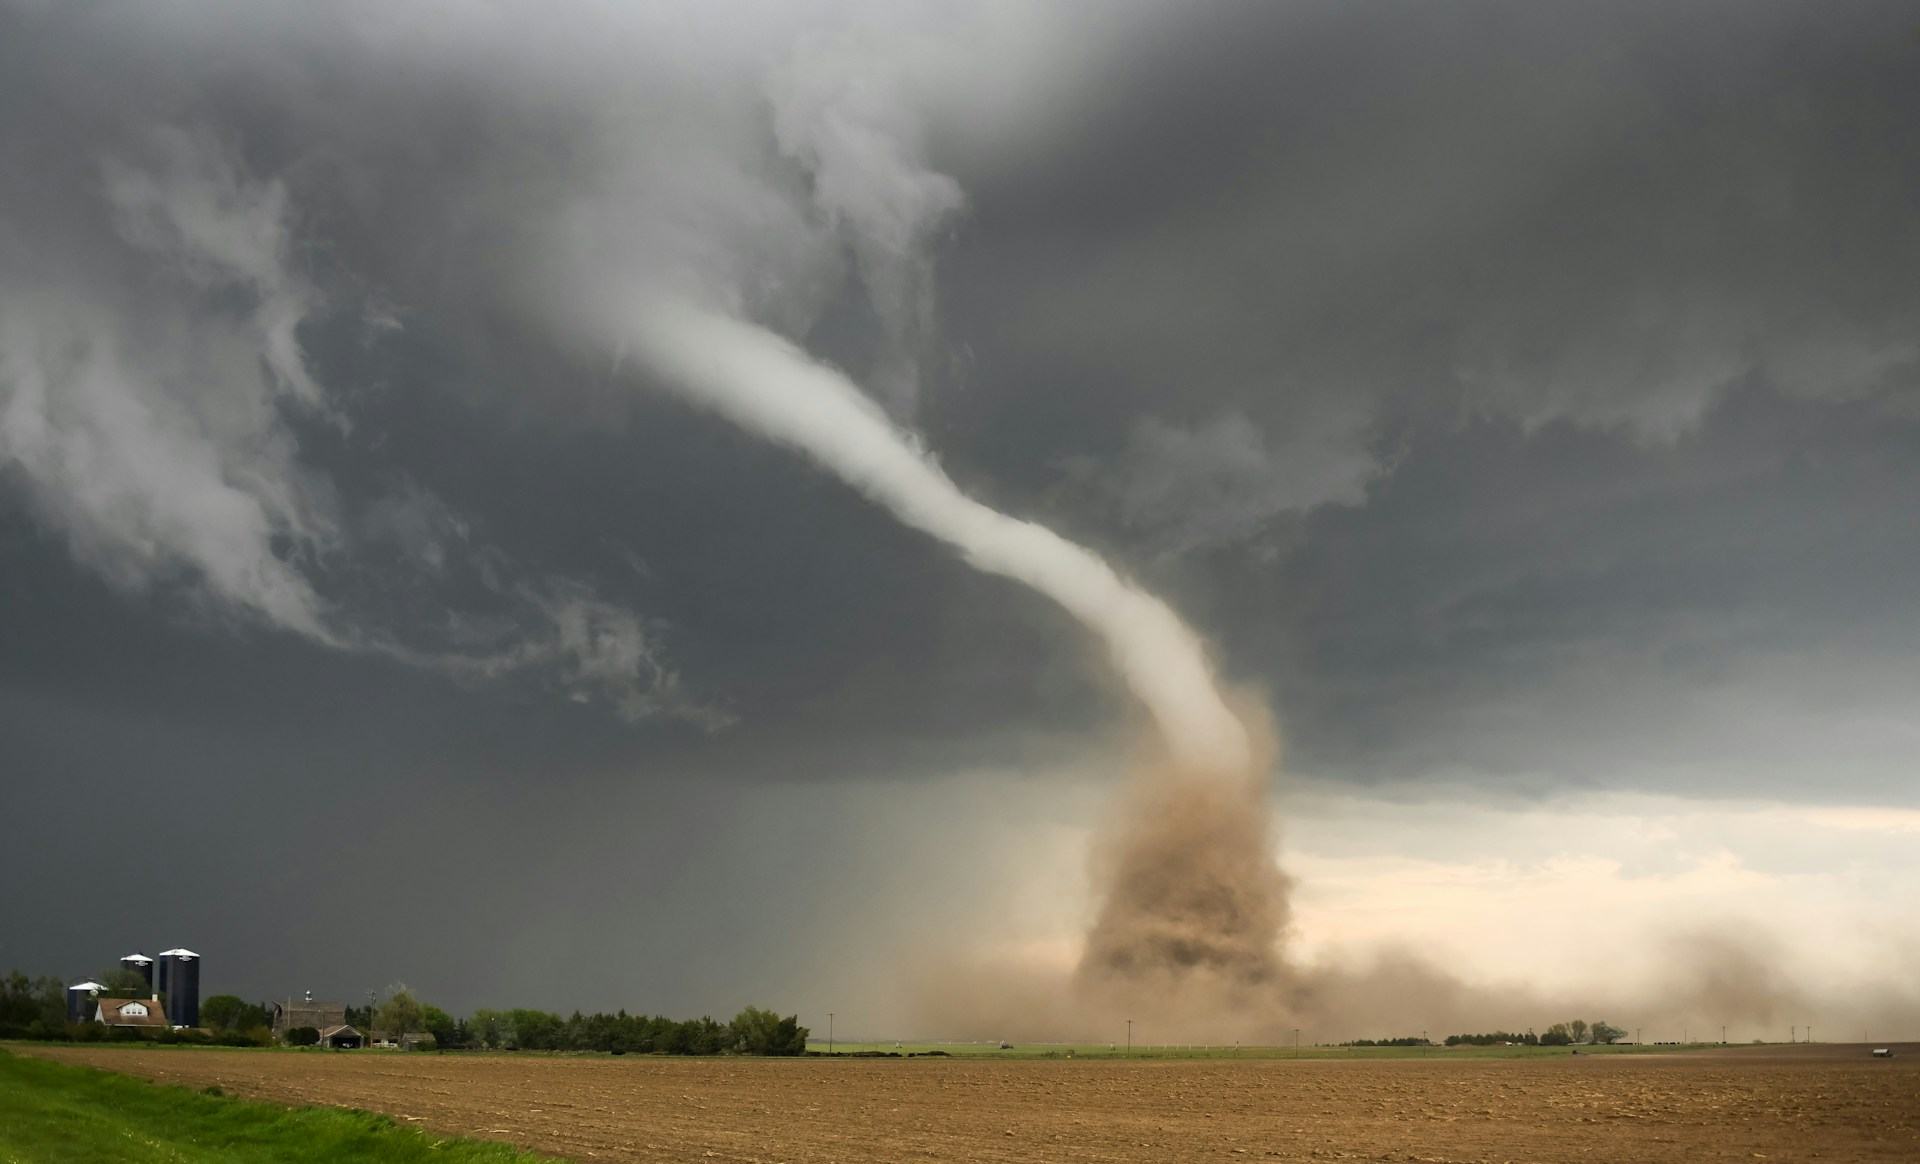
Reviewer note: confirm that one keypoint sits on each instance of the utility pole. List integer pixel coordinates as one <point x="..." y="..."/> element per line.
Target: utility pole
<point x="1793" y="1035"/>
<point x="829" y="1032"/>
<point x="1129" y="1038"/>
<point x="1296" y="1042"/>
<point x="1723" y="1034"/>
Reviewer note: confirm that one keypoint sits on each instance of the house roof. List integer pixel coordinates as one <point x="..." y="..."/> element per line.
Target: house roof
<point x="110" y="1013"/>
<point x="332" y="1031"/>
<point x="318" y="1015"/>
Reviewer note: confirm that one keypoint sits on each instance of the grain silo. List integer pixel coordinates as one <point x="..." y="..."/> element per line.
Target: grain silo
<point x="83" y="998"/>
<point x="180" y="983"/>
<point x="143" y="966"/>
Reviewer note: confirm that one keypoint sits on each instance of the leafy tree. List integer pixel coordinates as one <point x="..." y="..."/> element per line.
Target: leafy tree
<point x="440" y="1024"/>
<point x="535" y="1030"/>
<point x="1578" y="1029"/>
<point x="230" y="1012"/>
<point x="29" y="1002"/>
<point x="303" y="1036"/>
<point x="1557" y="1036"/>
<point x="1605" y="1032"/>
<point x="761" y="1032"/>
<point x="489" y="1029"/>
<point x="123" y="982"/>
<point x="400" y="1014"/>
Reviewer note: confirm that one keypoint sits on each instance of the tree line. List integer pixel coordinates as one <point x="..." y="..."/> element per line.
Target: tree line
<point x="754" y="1031"/>
<point x="1403" y="1041"/>
<point x="1558" y="1035"/>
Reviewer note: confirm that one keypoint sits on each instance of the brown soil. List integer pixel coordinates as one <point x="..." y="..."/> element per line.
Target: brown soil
<point x="1809" y="1103"/>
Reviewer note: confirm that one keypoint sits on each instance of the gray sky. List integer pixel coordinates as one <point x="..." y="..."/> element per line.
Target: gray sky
<point x="1524" y="399"/>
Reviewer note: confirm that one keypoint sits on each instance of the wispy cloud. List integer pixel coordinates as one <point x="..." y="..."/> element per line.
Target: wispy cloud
<point x="154" y="426"/>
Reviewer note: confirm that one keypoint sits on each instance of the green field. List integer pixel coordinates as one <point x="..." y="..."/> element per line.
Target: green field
<point x="1217" y="1051"/>
<point x="58" y="1114"/>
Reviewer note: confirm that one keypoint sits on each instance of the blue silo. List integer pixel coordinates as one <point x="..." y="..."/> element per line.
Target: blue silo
<point x="180" y="983"/>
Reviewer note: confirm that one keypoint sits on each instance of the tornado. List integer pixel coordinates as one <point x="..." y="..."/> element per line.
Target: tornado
<point x="1189" y="896"/>
<point x="760" y="381"/>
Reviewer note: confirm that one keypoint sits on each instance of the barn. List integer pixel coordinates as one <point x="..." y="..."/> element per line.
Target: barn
<point x="295" y="1013"/>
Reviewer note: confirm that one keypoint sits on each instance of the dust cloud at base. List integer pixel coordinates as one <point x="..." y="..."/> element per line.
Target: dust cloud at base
<point x="1717" y="981"/>
<point x="1190" y="935"/>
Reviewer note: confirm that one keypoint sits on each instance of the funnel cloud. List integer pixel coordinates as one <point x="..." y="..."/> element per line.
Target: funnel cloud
<point x="760" y="381"/>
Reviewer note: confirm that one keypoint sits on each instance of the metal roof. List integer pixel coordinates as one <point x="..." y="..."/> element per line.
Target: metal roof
<point x="182" y="952"/>
<point x="89" y="985"/>
<point x="136" y="958"/>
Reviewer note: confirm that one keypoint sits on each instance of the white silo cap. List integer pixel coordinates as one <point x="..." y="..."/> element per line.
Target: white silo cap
<point x="182" y="952"/>
<point x="136" y="958"/>
<point x="87" y="986"/>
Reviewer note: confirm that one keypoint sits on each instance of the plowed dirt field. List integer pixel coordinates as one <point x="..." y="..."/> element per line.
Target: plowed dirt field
<point x="1814" y="1103"/>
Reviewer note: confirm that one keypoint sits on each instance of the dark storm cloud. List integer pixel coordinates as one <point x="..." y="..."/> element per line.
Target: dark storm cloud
<point x="1446" y="364"/>
<point x="1603" y="212"/>
<point x="1573" y="604"/>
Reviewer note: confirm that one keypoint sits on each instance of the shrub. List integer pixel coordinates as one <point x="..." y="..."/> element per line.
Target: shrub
<point x="762" y="1032"/>
<point x="303" y="1036"/>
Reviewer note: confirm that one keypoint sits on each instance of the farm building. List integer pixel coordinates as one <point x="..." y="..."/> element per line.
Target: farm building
<point x="131" y="1012"/>
<point x="341" y="1038"/>
<point x="297" y="1012"/>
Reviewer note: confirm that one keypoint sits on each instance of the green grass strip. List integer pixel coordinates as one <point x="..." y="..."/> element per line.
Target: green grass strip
<point x="53" y="1112"/>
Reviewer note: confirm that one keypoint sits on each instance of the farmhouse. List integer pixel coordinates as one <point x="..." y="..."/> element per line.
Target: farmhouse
<point x="131" y="1012"/>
